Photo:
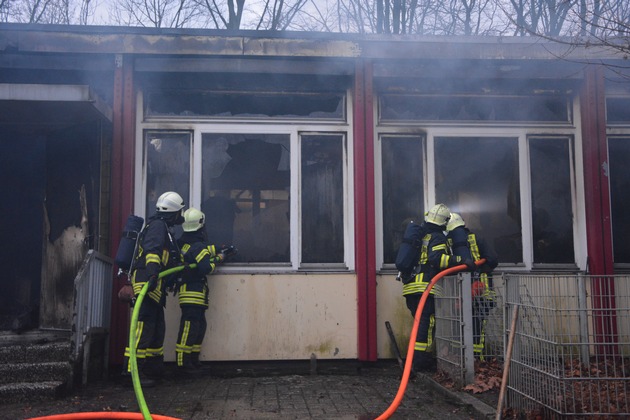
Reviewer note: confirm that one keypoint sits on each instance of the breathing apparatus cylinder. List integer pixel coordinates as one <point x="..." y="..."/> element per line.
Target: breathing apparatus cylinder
<point x="128" y="240"/>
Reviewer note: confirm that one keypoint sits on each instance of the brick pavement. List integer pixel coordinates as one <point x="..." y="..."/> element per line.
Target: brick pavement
<point x="361" y="393"/>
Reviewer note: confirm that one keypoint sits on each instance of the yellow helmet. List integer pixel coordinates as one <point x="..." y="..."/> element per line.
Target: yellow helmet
<point x="455" y="221"/>
<point x="438" y="215"/>
<point x="193" y="220"/>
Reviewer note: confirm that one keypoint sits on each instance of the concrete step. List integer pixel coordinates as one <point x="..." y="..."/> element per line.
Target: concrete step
<point x="30" y="353"/>
<point x="35" y="372"/>
<point x="31" y="391"/>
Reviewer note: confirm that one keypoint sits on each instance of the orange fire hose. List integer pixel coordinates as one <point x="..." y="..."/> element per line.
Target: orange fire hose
<point x="102" y="415"/>
<point x="412" y="339"/>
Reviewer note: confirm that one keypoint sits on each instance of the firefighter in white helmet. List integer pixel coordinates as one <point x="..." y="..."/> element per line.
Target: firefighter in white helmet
<point x="157" y="251"/>
<point x="469" y="245"/>
<point x="192" y="289"/>
<point x="434" y="257"/>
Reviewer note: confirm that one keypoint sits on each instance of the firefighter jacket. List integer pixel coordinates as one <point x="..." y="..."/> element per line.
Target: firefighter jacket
<point x="193" y="289"/>
<point x="468" y="245"/>
<point x="157" y="251"/>
<point x="434" y="257"/>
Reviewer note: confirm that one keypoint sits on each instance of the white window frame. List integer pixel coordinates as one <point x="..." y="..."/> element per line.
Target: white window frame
<point x="291" y="128"/>
<point x="488" y="130"/>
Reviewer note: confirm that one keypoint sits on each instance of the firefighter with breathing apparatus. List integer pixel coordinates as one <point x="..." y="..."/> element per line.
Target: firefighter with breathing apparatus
<point x="434" y="257"/>
<point x="192" y="289"/>
<point x="469" y="245"/>
<point x="157" y="251"/>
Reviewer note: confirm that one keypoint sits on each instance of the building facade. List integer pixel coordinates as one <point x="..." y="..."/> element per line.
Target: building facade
<point x="309" y="153"/>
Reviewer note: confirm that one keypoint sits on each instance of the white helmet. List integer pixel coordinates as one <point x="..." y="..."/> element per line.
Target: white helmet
<point x="169" y="202"/>
<point x="455" y="221"/>
<point x="193" y="220"/>
<point x="438" y="215"/>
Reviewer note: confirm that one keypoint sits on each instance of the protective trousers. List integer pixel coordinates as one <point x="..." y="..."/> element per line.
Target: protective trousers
<point x="481" y="311"/>
<point x="192" y="329"/>
<point x="422" y="356"/>
<point x="150" y="332"/>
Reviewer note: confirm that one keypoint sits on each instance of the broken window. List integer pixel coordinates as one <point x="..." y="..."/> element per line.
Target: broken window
<point x="478" y="178"/>
<point x="552" y="211"/>
<point x="619" y="156"/>
<point x="547" y="108"/>
<point x="245" y="183"/>
<point x="308" y="105"/>
<point x="403" y="188"/>
<point x="167" y="166"/>
<point x="322" y="198"/>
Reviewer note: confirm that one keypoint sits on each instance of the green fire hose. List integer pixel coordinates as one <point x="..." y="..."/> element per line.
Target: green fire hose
<point x="133" y="362"/>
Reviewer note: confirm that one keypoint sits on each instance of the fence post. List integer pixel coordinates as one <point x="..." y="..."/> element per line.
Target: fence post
<point x="467" y="327"/>
<point x="583" y="319"/>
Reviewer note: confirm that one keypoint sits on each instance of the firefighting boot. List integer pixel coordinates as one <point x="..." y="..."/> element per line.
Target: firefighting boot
<point x="185" y="366"/>
<point x="197" y="363"/>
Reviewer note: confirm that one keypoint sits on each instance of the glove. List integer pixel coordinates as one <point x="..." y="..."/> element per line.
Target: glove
<point x="470" y="264"/>
<point x="187" y="270"/>
<point x="477" y="289"/>
<point x="153" y="281"/>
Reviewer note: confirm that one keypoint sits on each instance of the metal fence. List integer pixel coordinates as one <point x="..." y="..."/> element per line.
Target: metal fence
<point x="571" y="342"/>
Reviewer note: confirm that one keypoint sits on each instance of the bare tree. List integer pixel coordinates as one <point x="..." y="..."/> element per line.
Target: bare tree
<point x="278" y="15"/>
<point x="222" y="14"/>
<point x="317" y="16"/>
<point x="156" y="13"/>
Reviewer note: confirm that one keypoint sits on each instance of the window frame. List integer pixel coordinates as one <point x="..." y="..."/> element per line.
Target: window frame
<point x="522" y="134"/>
<point x="245" y="126"/>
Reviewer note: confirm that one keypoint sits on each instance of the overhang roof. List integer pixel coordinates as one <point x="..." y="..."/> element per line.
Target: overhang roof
<point x="204" y="42"/>
<point x="56" y="106"/>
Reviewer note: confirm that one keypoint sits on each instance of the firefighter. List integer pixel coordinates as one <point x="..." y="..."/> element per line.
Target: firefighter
<point x="469" y="245"/>
<point x="192" y="289"/>
<point x="157" y="251"/>
<point x="434" y="257"/>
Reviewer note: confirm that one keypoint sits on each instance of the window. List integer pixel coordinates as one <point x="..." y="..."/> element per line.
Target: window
<point x="230" y="104"/>
<point x="548" y="108"/>
<point x="619" y="156"/>
<point x="245" y="179"/>
<point x="478" y="177"/>
<point x="617" y="111"/>
<point x="322" y="198"/>
<point x="167" y="166"/>
<point x="552" y="212"/>
<point x="250" y="187"/>
<point x="403" y="188"/>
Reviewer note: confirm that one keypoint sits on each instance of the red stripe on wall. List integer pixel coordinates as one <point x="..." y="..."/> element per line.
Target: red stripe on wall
<point x="598" y="213"/>
<point x="122" y="190"/>
<point x="365" y="250"/>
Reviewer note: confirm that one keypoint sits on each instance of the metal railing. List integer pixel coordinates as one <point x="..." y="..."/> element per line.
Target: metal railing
<point x="92" y="302"/>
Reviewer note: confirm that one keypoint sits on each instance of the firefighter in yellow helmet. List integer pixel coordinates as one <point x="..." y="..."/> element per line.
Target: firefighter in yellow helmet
<point x="469" y="245"/>
<point x="157" y="251"/>
<point x="192" y="289"/>
<point x="434" y="257"/>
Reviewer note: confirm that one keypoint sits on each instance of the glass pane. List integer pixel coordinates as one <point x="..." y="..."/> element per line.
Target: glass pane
<point x="617" y="110"/>
<point x="619" y="156"/>
<point x="322" y="199"/>
<point x="474" y="108"/>
<point x="403" y="189"/>
<point x="246" y="104"/>
<point x="552" y="214"/>
<point x="168" y="166"/>
<point x="478" y="178"/>
<point x="245" y="185"/>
